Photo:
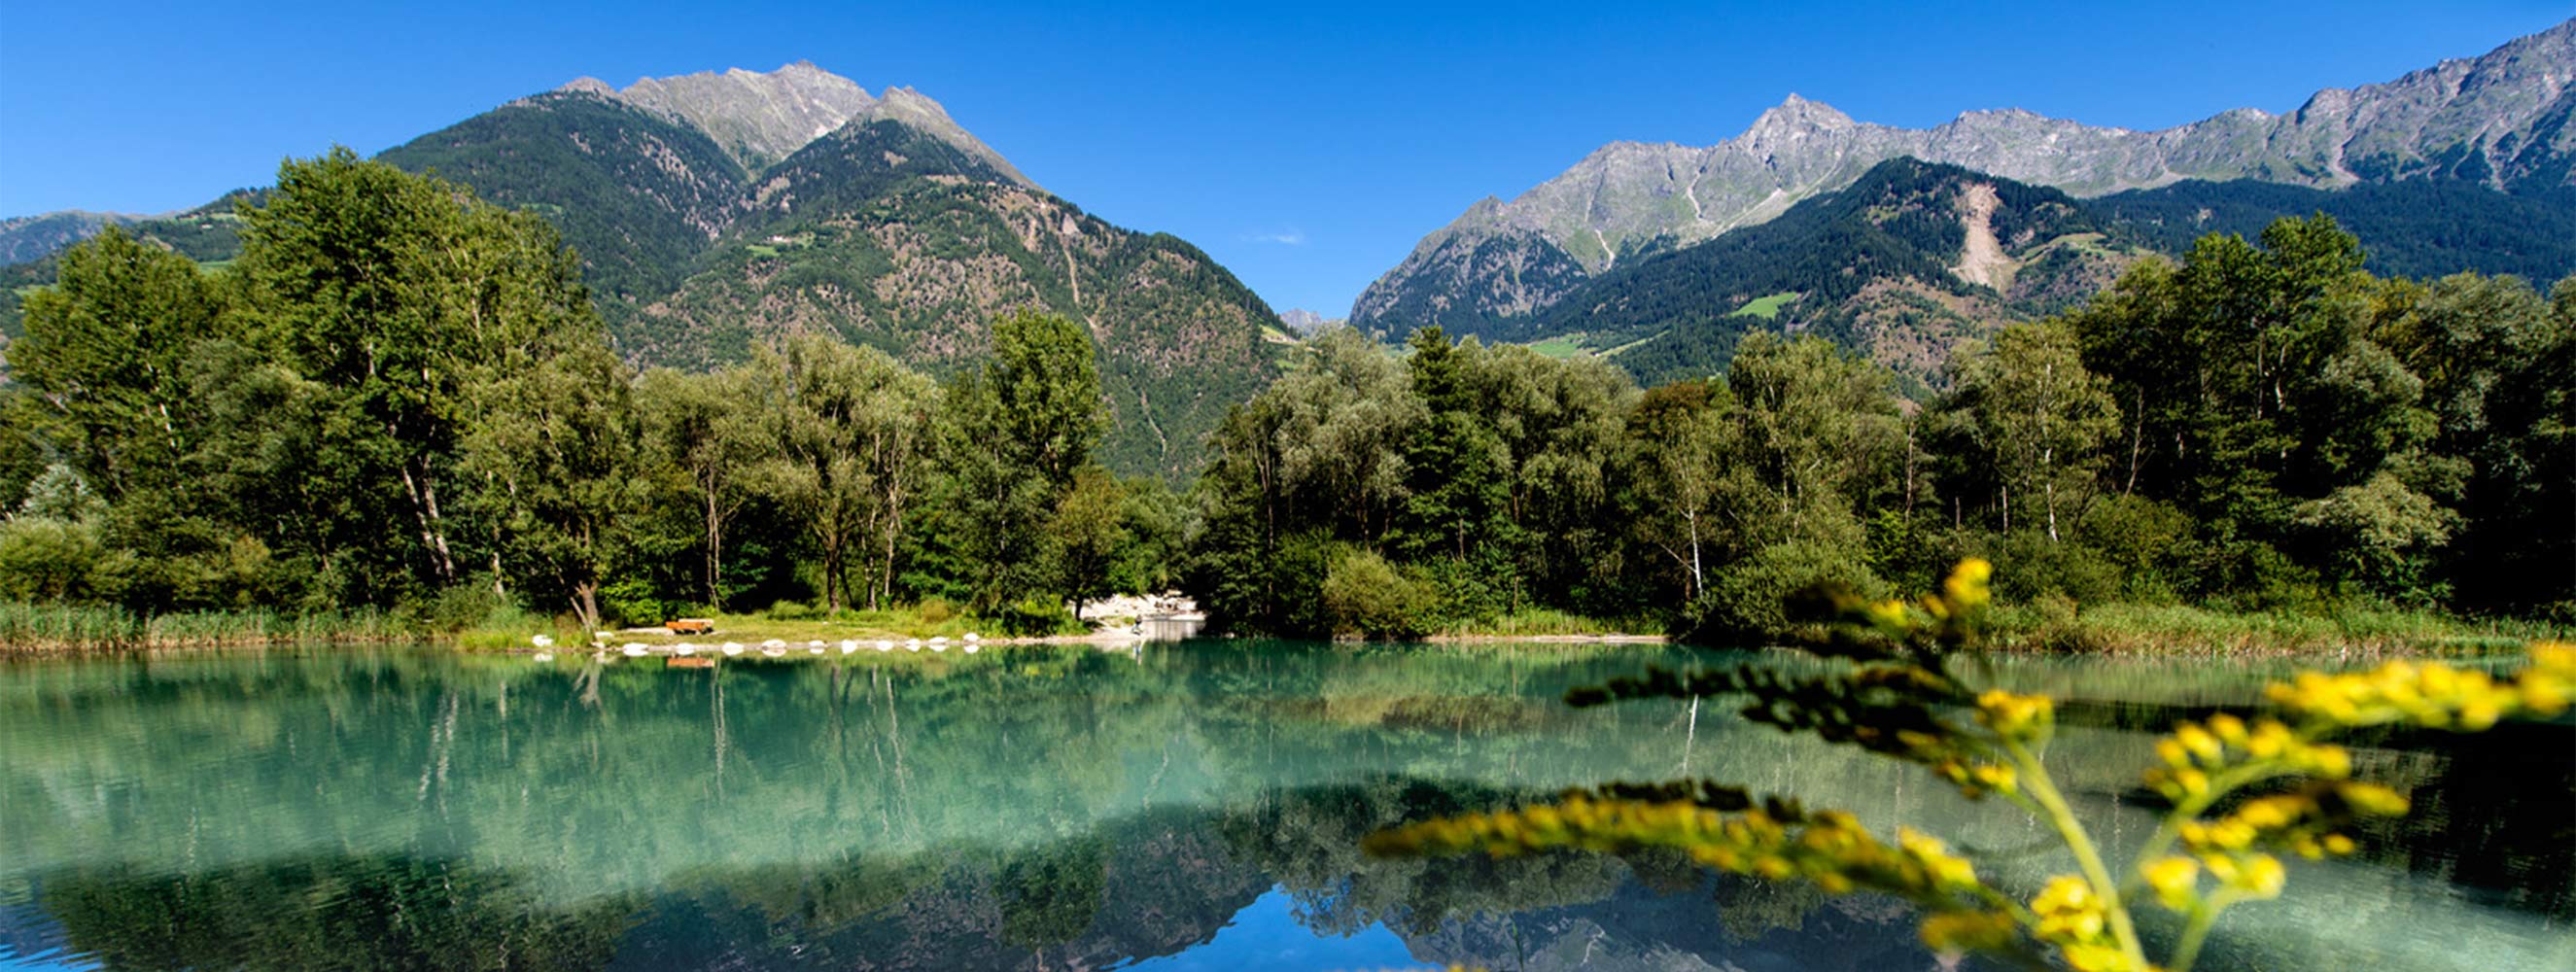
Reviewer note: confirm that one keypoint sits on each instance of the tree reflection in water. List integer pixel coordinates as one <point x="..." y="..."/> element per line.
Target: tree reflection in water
<point x="1023" y="809"/>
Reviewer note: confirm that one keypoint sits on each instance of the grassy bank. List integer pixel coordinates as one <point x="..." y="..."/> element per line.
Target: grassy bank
<point x="1540" y="623"/>
<point x="2179" y="629"/>
<point x="29" y="629"/>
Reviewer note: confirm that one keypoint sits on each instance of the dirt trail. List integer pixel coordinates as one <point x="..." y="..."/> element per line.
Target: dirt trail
<point x="1982" y="260"/>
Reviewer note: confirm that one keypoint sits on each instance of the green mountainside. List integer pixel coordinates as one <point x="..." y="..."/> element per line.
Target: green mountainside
<point x="1885" y="265"/>
<point x="638" y="195"/>
<point x="1906" y="262"/>
<point x="891" y="227"/>
<point x="2414" y="228"/>
<point x="884" y="236"/>
<point x="2505" y="121"/>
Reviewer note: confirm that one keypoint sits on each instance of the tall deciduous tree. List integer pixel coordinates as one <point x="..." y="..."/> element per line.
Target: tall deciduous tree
<point x="1021" y="426"/>
<point x="2036" y="419"/>
<point x="849" y="426"/>
<point x="706" y="430"/>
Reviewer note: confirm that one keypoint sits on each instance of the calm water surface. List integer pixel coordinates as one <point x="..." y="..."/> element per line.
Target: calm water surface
<point x="1183" y="806"/>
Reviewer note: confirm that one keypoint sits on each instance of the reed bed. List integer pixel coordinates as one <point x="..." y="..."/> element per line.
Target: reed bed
<point x="27" y="629"/>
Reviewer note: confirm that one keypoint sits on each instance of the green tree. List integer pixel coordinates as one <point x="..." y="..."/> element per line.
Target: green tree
<point x="849" y="428"/>
<point x="389" y="298"/>
<point x="1087" y="532"/>
<point x="2036" y="420"/>
<point x="1018" y="429"/>
<point x="705" y="432"/>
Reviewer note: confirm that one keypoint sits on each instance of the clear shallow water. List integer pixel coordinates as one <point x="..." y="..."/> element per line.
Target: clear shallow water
<point x="1189" y="806"/>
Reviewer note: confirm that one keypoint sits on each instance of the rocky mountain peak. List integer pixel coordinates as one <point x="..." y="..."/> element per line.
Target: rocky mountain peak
<point x="1796" y="117"/>
<point x="756" y="117"/>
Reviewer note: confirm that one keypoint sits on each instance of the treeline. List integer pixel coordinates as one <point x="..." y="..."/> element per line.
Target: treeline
<point x="398" y="397"/>
<point x="401" y="396"/>
<point x="2252" y="428"/>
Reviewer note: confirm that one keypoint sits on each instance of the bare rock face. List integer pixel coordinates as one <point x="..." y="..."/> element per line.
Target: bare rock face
<point x="762" y="118"/>
<point x="2506" y="120"/>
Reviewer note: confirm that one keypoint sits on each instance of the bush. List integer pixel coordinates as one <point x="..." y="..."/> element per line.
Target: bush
<point x="1035" y="617"/>
<point x="936" y="610"/>
<point x="792" y="611"/>
<point x="462" y="607"/>
<point x="45" y="559"/>
<point x="2034" y="566"/>
<point x="631" y="601"/>
<point x="1744" y="601"/>
<point x="1365" y="595"/>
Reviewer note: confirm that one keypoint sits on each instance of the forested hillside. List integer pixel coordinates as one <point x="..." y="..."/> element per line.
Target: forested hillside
<point x="1883" y="267"/>
<point x="638" y="195"/>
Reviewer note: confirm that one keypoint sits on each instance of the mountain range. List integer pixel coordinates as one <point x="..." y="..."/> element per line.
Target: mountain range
<point x="716" y="211"/>
<point x="2500" y="122"/>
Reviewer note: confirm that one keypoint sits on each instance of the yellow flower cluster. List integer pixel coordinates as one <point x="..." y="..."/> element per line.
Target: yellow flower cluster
<point x="2194" y="753"/>
<point x="1976" y="779"/>
<point x="2015" y="716"/>
<point x="1964" y="589"/>
<point x="2298" y="821"/>
<point x="2069" y="915"/>
<point x="1829" y="848"/>
<point x="2434" y="694"/>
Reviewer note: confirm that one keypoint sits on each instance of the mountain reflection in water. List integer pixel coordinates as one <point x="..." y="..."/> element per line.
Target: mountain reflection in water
<point x="1175" y="807"/>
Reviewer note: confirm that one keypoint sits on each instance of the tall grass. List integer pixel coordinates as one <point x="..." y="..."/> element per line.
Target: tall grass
<point x="2182" y="629"/>
<point x="1545" y="623"/>
<point x="50" y="629"/>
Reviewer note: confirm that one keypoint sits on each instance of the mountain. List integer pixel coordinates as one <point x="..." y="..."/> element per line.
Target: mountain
<point x="28" y="238"/>
<point x="1909" y="260"/>
<point x="1302" y="322"/>
<point x="759" y="119"/>
<point x="2501" y="121"/>
<point x="889" y="237"/>
<point x="714" y="211"/>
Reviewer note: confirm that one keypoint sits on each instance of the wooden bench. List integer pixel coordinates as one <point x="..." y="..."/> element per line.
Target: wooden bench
<point x="691" y="626"/>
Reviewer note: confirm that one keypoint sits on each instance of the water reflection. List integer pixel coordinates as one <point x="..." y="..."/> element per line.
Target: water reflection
<point x="1178" y="807"/>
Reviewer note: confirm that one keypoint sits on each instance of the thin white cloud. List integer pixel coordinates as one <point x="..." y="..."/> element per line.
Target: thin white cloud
<point x="1292" y="237"/>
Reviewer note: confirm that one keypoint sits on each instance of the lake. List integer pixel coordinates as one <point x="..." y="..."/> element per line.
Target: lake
<point x="1191" y="805"/>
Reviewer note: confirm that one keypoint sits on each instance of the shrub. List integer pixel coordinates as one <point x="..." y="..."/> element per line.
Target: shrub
<point x="1363" y="594"/>
<point x="631" y="601"/>
<point x="785" y="610"/>
<point x="45" y="559"/>
<point x="1035" y="617"/>
<point x="1744" y="600"/>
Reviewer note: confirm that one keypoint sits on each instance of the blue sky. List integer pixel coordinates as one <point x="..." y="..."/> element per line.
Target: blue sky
<point x="1307" y="146"/>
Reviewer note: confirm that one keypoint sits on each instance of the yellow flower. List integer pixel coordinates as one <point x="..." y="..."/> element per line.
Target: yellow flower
<point x="2014" y="716"/>
<point x="2173" y="879"/>
<point x="2259" y="876"/>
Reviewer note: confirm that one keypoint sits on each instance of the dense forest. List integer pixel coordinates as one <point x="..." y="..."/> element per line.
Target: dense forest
<point x="400" y="396"/>
<point x="2254" y="428"/>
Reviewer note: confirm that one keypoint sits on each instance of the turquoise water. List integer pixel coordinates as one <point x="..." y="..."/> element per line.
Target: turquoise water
<point x="1182" y="806"/>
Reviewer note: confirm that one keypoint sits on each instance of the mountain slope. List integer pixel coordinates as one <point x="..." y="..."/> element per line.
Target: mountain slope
<point x="2502" y="121"/>
<point x="1909" y="260"/>
<point x="884" y="235"/>
<point x="638" y="195"/>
